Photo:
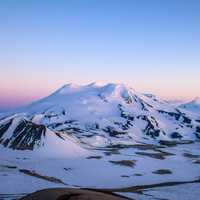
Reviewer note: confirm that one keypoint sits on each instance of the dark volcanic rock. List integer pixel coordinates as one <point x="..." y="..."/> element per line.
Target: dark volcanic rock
<point x="175" y="135"/>
<point x="112" y="132"/>
<point x="151" y="128"/>
<point x="5" y="127"/>
<point x="198" y="129"/>
<point x="174" y="143"/>
<point x="25" y="136"/>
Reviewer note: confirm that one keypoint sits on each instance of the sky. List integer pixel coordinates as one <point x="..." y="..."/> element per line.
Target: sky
<point x="154" y="46"/>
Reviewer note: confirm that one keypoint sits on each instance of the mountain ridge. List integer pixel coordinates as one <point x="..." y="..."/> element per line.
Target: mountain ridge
<point x="103" y="115"/>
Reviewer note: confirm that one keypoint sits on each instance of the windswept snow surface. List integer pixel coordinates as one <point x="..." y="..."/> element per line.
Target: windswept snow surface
<point x="102" y="168"/>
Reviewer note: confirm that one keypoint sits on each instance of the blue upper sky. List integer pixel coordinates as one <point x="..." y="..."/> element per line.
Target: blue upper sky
<point x="153" y="45"/>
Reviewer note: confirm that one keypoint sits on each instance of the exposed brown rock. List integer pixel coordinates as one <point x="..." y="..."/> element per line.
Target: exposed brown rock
<point x="72" y="194"/>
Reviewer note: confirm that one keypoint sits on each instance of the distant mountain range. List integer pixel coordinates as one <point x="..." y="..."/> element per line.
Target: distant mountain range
<point x="99" y="116"/>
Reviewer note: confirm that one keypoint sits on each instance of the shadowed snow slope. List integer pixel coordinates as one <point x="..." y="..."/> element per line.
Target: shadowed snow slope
<point x="18" y="133"/>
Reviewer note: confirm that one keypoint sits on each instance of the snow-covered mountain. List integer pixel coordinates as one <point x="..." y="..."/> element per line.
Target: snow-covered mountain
<point x="98" y="115"/>
<point x="192" y="106"/>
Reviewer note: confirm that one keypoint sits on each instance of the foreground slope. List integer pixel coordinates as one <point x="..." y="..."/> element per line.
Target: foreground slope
<point x="19" y="133"/>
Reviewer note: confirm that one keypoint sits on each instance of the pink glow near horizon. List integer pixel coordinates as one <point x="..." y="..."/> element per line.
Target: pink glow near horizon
<point x="12" y="97"/>
<point x="21" y="89"/>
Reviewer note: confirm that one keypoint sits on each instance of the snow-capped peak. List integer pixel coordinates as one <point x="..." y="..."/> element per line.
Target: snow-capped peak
<point x="95" y="84"/>
<point x="107" y="90"/>
<point x="196" y="100"/>
<point x="193" y="106"/>
<point x="116" y="91"/>
<point x="67" y="88"/>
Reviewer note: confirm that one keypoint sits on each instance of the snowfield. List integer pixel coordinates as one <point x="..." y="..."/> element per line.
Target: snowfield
<point x="120" y="168"/>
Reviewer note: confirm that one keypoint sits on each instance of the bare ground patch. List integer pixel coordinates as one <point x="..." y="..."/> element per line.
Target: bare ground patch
<point x="94" y="157"/>
<point x="47" y="178"/>
<point x="162" y="171"/>
<point x="161" y="155"/>
<point x="189" y="155"/>
<point x="126" y="163"/>
<point x="9" y="166"/>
